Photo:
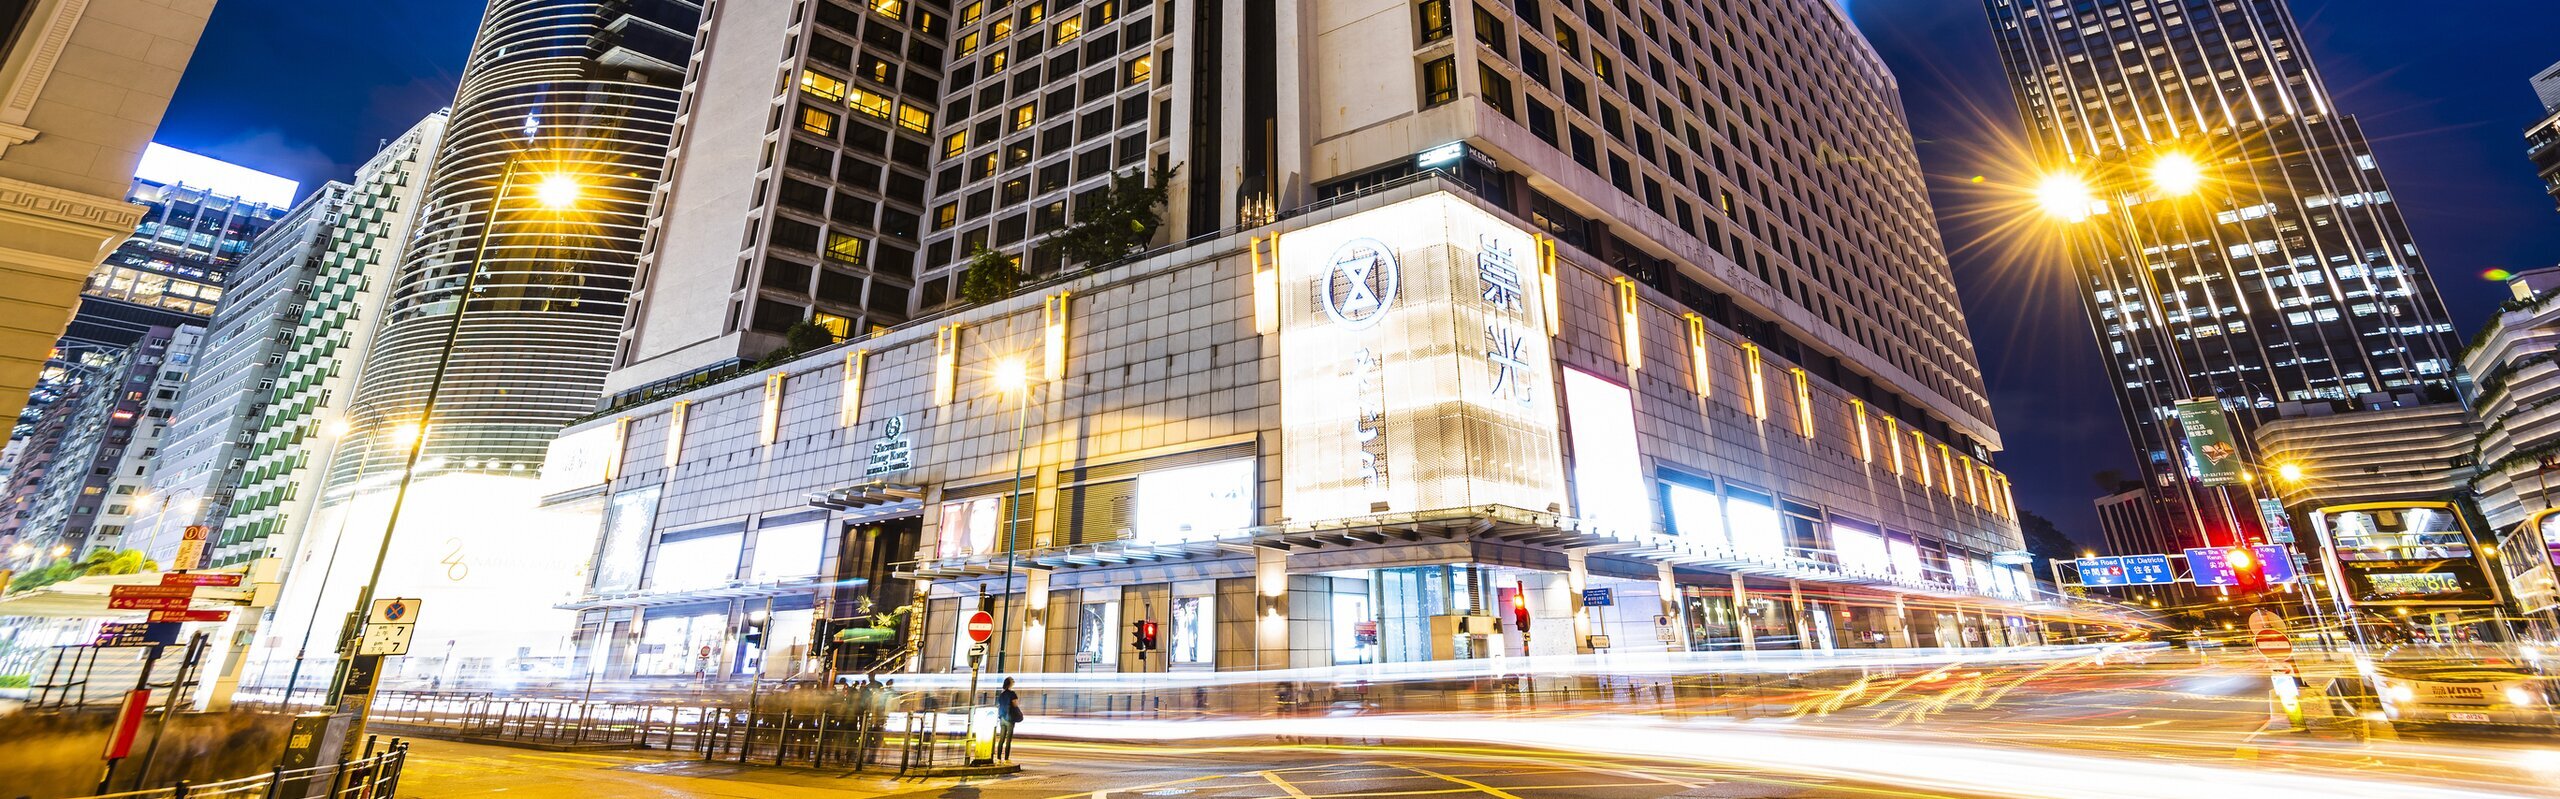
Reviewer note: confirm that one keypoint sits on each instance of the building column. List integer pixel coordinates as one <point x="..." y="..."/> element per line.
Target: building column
<point x="1673" y="610"/>
<point x="1750" y="632"/>
<point x="1031" y="624"/>
<point x="1577" y="575"/>
<point x="1804" y="623"/>
<point x="1902" y="624"/>
<point x="1271" y="619"/>
<point x="916" y="625"/>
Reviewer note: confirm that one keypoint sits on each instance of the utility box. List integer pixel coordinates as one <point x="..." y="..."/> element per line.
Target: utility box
<point x="315" y="740"/>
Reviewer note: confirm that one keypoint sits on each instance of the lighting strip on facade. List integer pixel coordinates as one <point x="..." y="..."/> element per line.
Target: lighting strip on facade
<point x="1550" y="288"/>
<point x="1266" y="286"/>
<point x="1804" y="402"/>
<point x="675" y="433"/>
<point x="1701" y="369"/>
<point x="946" y="363"/>
<point x="1920" y="452"/>
<point x="849" y="409"/>
<point x="1759" y="387"/>
<point x="1866" y="440"/>
<point x="769" y="423"/>
<point x="1053" y="354"/>
<point x="613" y="456"/>
<point x="1630" y="335"/>
<point x="1947" y="459"/>
<point x="1893" y="439"/>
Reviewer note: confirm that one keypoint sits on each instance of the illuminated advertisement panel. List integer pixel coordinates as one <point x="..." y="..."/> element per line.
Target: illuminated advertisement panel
<point x="625" y="548"/>
<point x="1608" y="482"/>
<point x="1415" y="370"/>
<point x="1696" y="514"/>
<point x="1860" y="552"/>
<point x="581" y="459"/>
<point x="1192" y="501"/>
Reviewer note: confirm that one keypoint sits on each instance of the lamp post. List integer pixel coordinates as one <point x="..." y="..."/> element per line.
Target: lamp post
<point x="1012" y="377"/>
<point x="356" y="672"/>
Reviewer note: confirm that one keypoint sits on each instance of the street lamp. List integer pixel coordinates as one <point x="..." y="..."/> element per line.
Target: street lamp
<point x="557" y="191"/>
<point x="1012" y="377"/>
<point x="2289" y="472"/>
<point x="2176" y="175"/>
<point x="2065" y="196"/>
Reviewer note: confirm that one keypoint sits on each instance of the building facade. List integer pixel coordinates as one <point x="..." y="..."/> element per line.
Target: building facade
<point x="108" y="446"/>
<point x="2513" y="382"/>
<point x="233" y="387"/>
<point x="792" y="200"/>
<point x="2542" y="139"/>
<point x="1357" y="435"/>
<point x="201" y="216"/>
<point x="288" y="448"/>
<point x="2234" y="237"/>
<point x="578" y="93"/>
<point x="68" y="148"/>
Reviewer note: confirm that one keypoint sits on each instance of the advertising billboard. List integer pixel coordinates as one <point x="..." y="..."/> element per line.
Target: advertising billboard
<point x="2211" y="448"/>
<point x="1416" y="373"/>
<point x="1608" y="481"/>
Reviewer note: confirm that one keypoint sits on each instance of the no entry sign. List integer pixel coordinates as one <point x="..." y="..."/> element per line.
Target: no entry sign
<point x="981" y="626"/>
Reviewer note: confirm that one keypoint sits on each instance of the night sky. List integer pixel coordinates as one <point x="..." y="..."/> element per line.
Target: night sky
<point x="308" y="90"/>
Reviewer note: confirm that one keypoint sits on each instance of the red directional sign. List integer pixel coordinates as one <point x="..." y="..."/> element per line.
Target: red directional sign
<point x="213" y="579"/>
<point x="150" y="597"/>
<point x="190" y="615"/>
<point x="980" y="625"/>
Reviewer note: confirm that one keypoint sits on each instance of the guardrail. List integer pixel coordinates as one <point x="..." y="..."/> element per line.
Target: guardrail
<point x="376" y="776"/>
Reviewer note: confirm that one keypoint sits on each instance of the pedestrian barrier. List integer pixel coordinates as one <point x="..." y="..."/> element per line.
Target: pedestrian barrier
<point x="374" y="776"/>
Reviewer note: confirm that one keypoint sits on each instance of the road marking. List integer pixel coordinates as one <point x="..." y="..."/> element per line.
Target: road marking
<point x="1282" y="784"/>
<point x="1489" y="790"/>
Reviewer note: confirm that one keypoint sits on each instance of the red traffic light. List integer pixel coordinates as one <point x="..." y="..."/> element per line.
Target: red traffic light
<point x="1520" y="606"/>
<point x="1145" y="635"/>
<point x="2240" y="559"/>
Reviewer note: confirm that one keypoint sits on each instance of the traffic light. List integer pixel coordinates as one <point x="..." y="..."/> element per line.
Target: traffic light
<point x="1520" y="607"/>
<point x="1143" y="636"/>
<point x="2248" y="575"/>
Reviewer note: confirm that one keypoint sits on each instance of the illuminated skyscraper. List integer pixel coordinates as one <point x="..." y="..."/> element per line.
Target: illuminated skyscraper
<point x="2234" y="237"/>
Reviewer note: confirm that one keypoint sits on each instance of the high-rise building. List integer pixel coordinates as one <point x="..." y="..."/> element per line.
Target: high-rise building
<point x="788" y="201"/>
<point x="84" y="100"/>
<point x="110" y="432"/>
<point x="1689" y="243"/>
<point x="581" y="91"/>
<point x="2233" y="235"/>
<point x="2542" y="140"/>
<point x="237" y="372"/>
<point x="288" y="447"/>
<point x="201" y="216"/>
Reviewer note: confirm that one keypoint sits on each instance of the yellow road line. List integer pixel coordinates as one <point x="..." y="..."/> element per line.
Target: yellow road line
<point x="1282" y="784"/>
<point x="1489" y="790"/>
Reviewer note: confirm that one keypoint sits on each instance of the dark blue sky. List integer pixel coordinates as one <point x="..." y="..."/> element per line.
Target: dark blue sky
<point x="307" y="90"/>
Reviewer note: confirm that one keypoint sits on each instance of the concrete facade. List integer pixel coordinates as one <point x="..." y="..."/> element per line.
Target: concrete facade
<point x="82" y="87"/>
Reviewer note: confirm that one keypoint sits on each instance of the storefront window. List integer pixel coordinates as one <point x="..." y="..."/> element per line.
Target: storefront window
<point x="787" y="552"/>
<point x="1096" y="636"/>
<point x="1350" y="617"/>
<point x="1696" y="514"/>
<point x="695" y="563"/>
<point x="1753" y="522"/>
<point x="1189" y="632"/>
<point x="676" y="646"/>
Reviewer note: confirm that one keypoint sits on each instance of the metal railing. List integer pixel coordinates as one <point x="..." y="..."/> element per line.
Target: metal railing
<point x="376" y="776"/>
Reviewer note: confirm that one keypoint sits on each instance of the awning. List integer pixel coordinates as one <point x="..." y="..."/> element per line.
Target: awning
<point x="734" y="590"/>
<point x="871" y="499"/>
<point x="86" y="597"/>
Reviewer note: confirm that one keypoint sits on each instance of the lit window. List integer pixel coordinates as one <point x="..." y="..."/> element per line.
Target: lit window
<point x="946" y="216"/>
<point x="915" y="119"/>
<point x="892" y="9"/>
<point x="969" y="43"/>
<point x="822" y="85"/>
<point x="1440" y="81"/>
<point x="871" y="104"/>
<point x="1000" y="28"/>
<point x="841" y="247"/>
<point x="954" y="143"/>
<point x="1435" y="19"/>
<point x="1026" y="114"/>
<point x="836" y="326"/>
<point x="1034" y="13"/>
<point x="817" y="122"/>
<point x="1069" y="29"/>
<point x="970" y="13"/>
<point x="1141" y="69"/>
<point x="1106" y="12"/>
<point x="997" y="60"/>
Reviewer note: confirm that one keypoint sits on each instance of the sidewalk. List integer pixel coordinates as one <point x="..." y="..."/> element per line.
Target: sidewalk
<point x="449" y="769"/>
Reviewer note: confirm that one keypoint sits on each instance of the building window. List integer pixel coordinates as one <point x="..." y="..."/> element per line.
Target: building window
<point x="1496" y="89"/>
<point x="969" y="43"/>
<point x="996" y="61"/>
<point x="1141" y="68"/>
<point x="1000" y="28"/>
<point x="971" y="12"/>
<point x="822" y="85"/>
<point x="915" y="119"/>
<point x="1069" y="29"/>
<point x="946" y="216"/>
<point x="954" y="143"/>
<point x="875" y="105"/>
<point x="1434" y="18"/>
<point x="1034" y="13"/>
<point x="1026" y="114"/>
<point x="1440" y="80"/>
<point x="817" y="122"/>
<point x="844" y="248"/>
<point x="892" y="9"/>
<point x="1489" y="29"/>
<point x="837" y="326"/>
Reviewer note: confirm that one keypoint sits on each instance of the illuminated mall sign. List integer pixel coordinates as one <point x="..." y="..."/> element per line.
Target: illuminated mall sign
<point x="1415" y="370"/>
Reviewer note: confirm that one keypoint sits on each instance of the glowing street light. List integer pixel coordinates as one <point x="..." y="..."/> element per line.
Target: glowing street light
<point x="1012" y="376"/>
<point x="2176" y="175"/>
<point x="2291" y="472"/>
<point x="557" y="191"/>
<point x="2065" y="196"/>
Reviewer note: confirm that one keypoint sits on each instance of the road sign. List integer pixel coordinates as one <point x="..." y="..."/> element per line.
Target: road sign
<point x="2148" y="570"/>
<point x="1598" y="597"/>
<point x="2273" y="644"/>
<point x="978" y="650"/>
<point x="201" y="579"/>
<point x="1599" y="642"/>
<point x="135" y="633"/>
<point x="386" y="639"/>
<point x="2102" y="572"/>
<point x="191" y="548"/>
<point x="981" y="626"/>
<point x="128" y="726"/>
<point x="2276" y="561"/>
<point x="150" y="597"/>
<point x="393" y="611"/>
<point x="189" y="615"/>
<point x="2211" y="566"/>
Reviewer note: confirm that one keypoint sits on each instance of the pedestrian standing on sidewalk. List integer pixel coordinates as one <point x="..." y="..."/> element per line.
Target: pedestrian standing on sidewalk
<point x="1008" y="713"/>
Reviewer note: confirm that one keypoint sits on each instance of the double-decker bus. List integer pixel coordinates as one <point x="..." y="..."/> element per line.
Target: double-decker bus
<point x="2397" y="560"/>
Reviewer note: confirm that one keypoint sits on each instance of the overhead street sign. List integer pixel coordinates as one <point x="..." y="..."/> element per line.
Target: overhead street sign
<point x="189" y="615"/>
<point x="150" y="597"/>
<point x="2102" y="572"/>
<point x="202" y="579"/>
<point x="135" y="633"/>
<point x="2211" y="566"/>
<point x="2148" y="570"/>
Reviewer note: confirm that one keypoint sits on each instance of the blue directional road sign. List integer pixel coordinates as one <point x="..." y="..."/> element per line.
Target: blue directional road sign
<point x="2148" y="570"/>
<point x="2102" y="572"/>
<point x="2277" y="561"/>
<point x="2211" y="566"/>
